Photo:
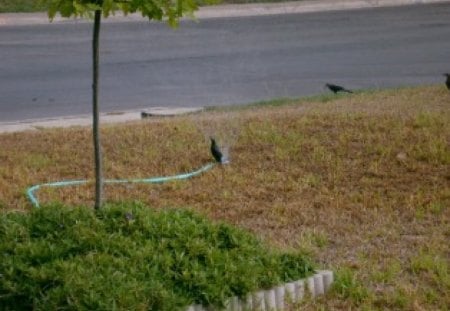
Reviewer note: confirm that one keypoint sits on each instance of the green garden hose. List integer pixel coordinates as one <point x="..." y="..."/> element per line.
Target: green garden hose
<point x="153" y="180"/>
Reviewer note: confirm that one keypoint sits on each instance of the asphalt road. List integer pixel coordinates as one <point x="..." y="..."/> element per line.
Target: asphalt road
<point x="45" y="70"/>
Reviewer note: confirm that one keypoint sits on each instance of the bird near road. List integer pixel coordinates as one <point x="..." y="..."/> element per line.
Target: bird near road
<point x="215" y="151"/>
<point x="447" y="82"/>
<point x="337" y="88"/>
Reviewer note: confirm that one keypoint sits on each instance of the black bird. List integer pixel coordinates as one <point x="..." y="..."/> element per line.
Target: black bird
<point x="215" y="151"/>
<point x="337" y="88"/>
<point x="447" y="82"/>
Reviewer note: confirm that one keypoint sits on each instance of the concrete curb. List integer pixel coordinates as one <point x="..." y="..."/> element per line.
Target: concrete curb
<point x="64" y="122"/>
<point x="86" y="120"/>
<point x="230" y="10"/>
<point x="169" y="112"/>
<point x="307" y="6"/>
<point x="277" y="298"/>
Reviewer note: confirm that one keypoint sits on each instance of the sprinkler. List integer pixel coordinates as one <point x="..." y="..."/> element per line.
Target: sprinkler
<point x="216" y="153"/>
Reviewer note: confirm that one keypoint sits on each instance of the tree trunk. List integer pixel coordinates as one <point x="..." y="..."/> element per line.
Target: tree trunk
<point x="95" y="115"/>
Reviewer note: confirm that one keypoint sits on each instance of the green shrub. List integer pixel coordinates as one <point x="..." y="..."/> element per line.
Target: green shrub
<point x="131" y="257"/>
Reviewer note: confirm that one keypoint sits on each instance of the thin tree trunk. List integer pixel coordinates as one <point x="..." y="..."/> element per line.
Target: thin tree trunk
<point x="95" y="125"/>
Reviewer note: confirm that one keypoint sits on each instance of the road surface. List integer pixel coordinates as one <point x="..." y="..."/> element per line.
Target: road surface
<point x="45" y="70"/>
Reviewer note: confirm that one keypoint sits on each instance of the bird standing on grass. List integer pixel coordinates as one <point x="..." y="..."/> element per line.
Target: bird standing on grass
<point x="215" y="151"/>
<point x="447" y="82"/>
<point x="337" y="88"/>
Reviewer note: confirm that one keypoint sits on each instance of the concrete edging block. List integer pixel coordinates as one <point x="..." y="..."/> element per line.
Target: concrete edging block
<point x="276" y="298"/>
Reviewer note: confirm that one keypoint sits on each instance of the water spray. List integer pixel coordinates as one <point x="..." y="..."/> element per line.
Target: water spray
<point x="218" y="155"/>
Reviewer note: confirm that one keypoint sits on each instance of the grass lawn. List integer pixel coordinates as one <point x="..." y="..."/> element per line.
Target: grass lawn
<point x="360" y="182"/>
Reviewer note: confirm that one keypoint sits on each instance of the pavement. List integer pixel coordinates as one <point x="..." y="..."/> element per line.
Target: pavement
<point x="218" y="11"/>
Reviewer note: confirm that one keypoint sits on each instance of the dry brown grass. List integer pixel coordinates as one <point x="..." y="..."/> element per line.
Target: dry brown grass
<point x="360" y="182"/>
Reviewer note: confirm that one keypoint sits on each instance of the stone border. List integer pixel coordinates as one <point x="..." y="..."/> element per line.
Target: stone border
<point x="275" y="299"/>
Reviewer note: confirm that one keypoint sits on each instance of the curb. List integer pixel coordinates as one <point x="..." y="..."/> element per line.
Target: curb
<point x="105" y="118"/>
<point x="169" y="112"/>
<point x="228" y="10"/>
<point x="276" y="299"/>
<point x="64" y="122"/>
<point x="296" y="7"/>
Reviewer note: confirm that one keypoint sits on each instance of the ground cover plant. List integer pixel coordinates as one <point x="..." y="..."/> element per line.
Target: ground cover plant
<point x="359" y="182"/>
<point x="130" y="257"/>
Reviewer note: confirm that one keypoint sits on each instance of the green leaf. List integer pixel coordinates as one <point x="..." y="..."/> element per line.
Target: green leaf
<point x="108" y="7"/>
<point x="168" y="10"/>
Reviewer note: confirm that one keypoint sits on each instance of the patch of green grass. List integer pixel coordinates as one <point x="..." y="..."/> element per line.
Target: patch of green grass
<point x="433" y="208"/>
<point x="388" y="274"/>
<point x="311" y="180"/>
<point x="37" y="161"/>
<point x="130" y="257"/>
<point x="313" y="239"/>
<point x="435" y="148"/>
<point x="397" y="299"/>
<point x="283" y="101"/>
<point x="276" y="102"/>
<point x="348" y="286"/>
<point x="433" y="267"/>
